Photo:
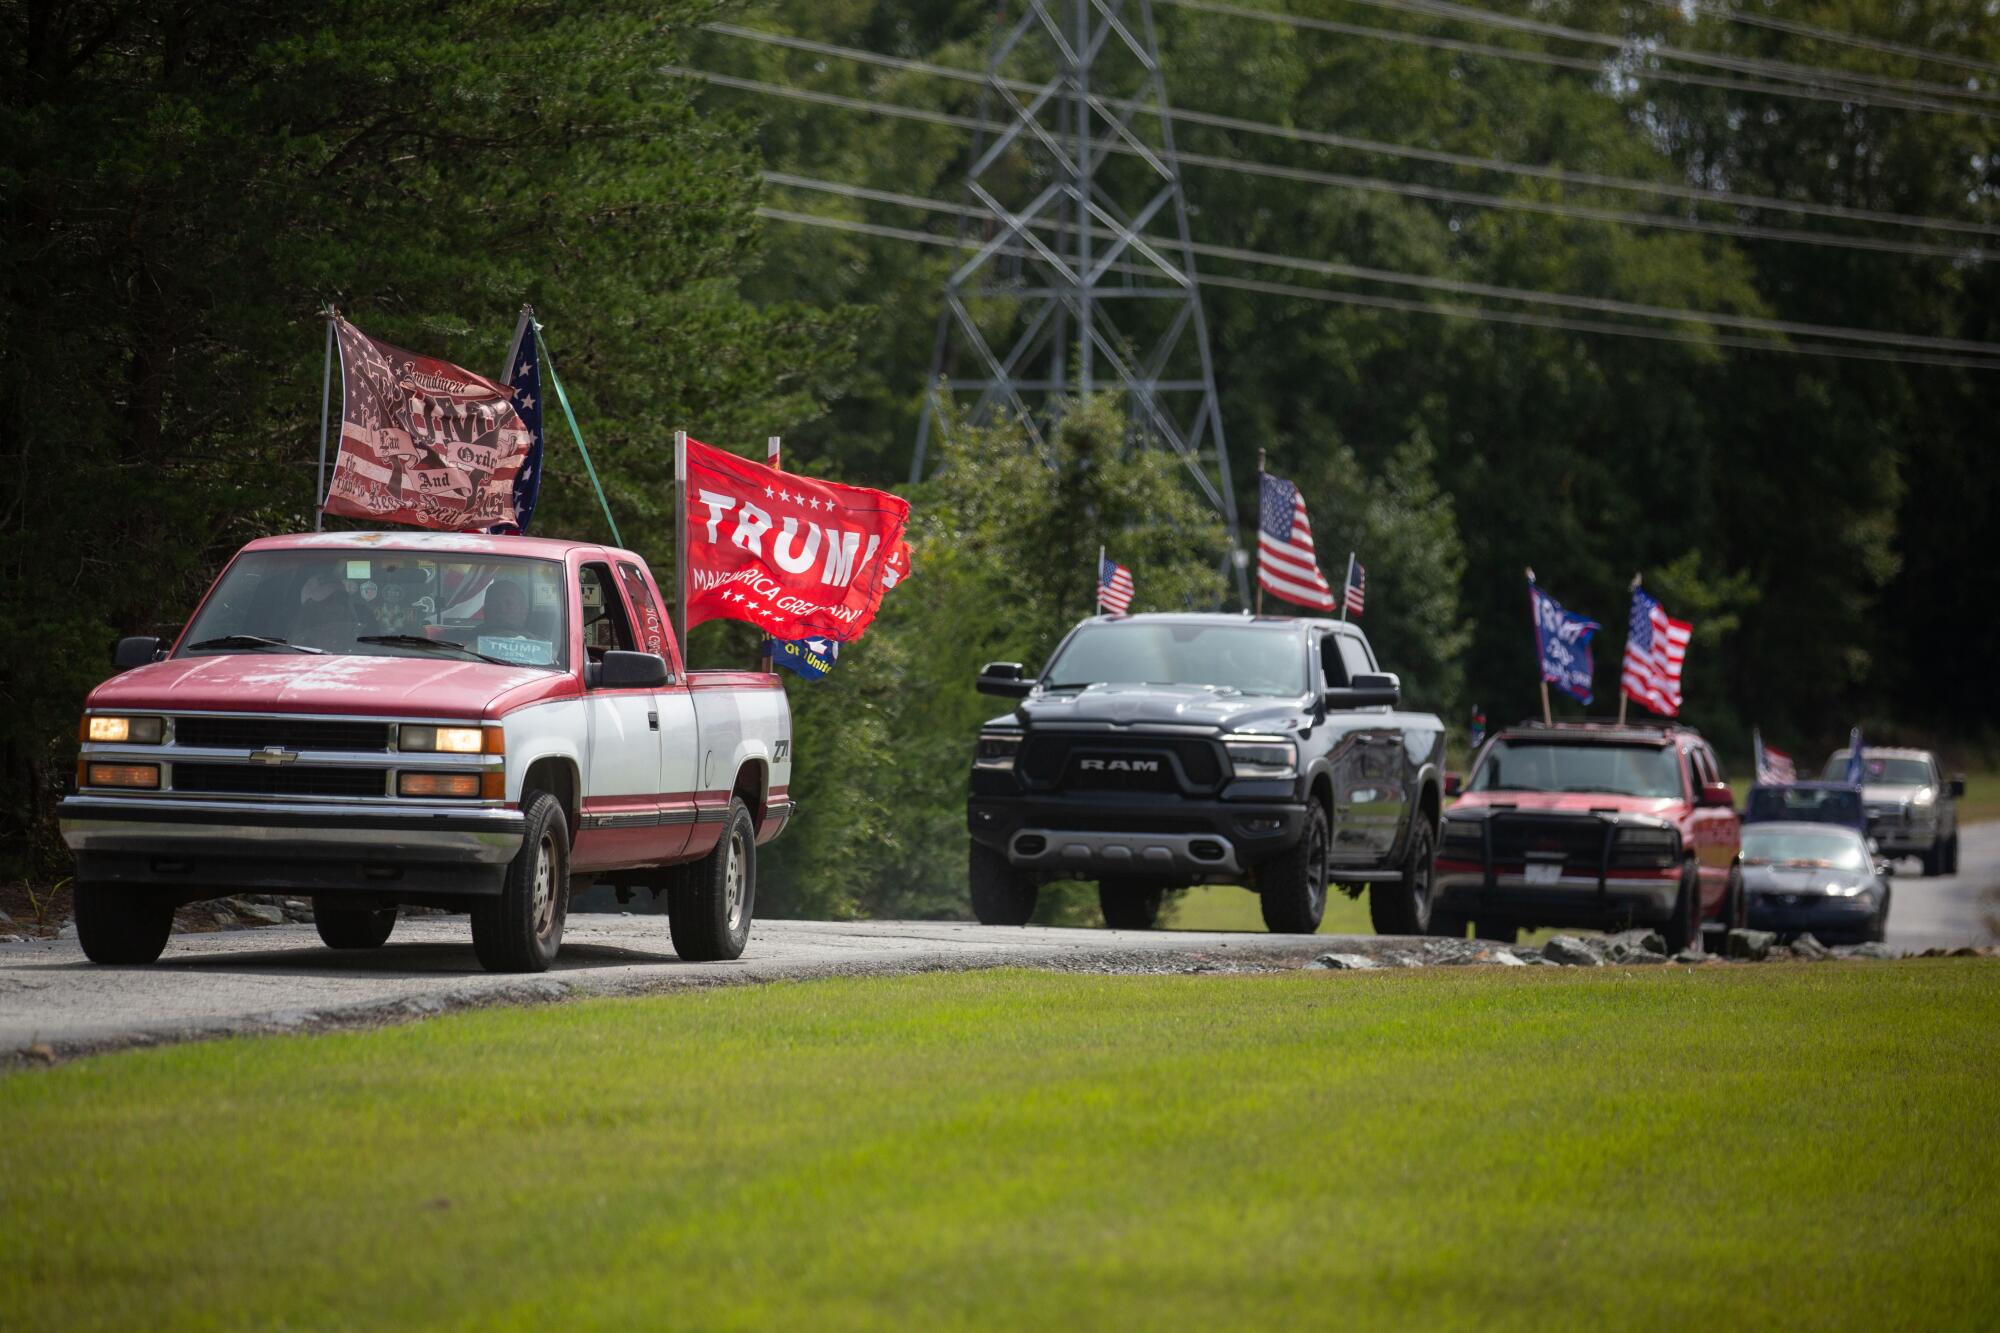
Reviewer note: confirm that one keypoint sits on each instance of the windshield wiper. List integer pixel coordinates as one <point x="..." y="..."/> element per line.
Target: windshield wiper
<point x="419" y="641"/>
<point x="255" y="642"/>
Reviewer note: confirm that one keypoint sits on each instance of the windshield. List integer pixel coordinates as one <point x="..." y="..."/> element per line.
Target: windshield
<point x="1250" y="659"/>
<point x="1620" y="770"/>
<point x="1879" y="772"/>
<point x="386" y="604"/>
<point x="1832" y="848"/>
<point x="1810" y="805"/>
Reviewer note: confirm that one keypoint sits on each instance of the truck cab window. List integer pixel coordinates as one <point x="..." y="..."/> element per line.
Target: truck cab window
<point x="652" y="623"/>
<point x="1330" y="665"/>
<point x="606" y="628"/>
<point x="1355" y="654"/>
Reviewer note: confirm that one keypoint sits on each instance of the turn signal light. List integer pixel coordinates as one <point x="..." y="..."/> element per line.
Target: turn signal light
<point x="438" y="784"/>
<point x="122" y="775"/>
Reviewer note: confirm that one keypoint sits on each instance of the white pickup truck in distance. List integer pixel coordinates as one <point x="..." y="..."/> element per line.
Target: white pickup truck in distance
<point x="440" y="719"/>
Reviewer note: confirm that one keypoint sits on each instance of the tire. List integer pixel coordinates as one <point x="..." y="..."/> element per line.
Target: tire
<point x="1878" y="929"/>
<point x="710" y="909"/>
<point x="1291" y="889"/>
<point x="1448" y="925"/>
<point x="1129" y="904"/>
<point x="1682" y="930"/>
<point x="1001" y="895"/>
<point x="1499" y="932"/>
<point x="1933" y="859"/>
<point x="521" y="929"/>
<point x="1405" y="908"/>
<point x="345" y="926"/>
<point x="116" y="924"/>
<point x="1736" y="904"/>
<point x="1951" y="856"/>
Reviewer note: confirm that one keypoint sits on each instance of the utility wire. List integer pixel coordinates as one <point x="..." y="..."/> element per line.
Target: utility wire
<point x="1480" y="313"/>
<point x="1834" y="36"/>
<point x="1394" y="277"/>
<point x="1845" y="96"/>
<point x="1324" y="138"/>
<point x="1821" y="75"/>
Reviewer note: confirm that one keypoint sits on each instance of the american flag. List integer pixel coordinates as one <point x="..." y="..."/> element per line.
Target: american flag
<point x="1655" y="650"/>
<point x="1774" y="767"/>
<point x="1286" y="564"/>
<point x="1114" y="587"/>
<point x="1357" y="587"/>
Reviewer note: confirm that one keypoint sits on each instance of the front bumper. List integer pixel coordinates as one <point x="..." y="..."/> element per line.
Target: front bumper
<point x="410" y="850"/>
<point x="1905" y="831"/>
<point x="1097" y="836"/>
<point x="1506" y="893"/>
<point x="1825" y="916"/>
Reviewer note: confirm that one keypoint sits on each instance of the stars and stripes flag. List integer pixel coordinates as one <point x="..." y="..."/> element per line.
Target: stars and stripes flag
<point x="1357" y="587"/>
<point x="1286" y="564"/>
<point x="1655" y="650"/>
<point x="524" y="381"/>
<point x="1114" y="586"/>
<point x="1774" y="767"/>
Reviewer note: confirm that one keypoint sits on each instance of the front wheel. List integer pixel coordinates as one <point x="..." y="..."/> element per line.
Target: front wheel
<point x="117" y="924"/>
<point x="1933" y="859"/>
<point x="1951" y="856"/>
<point x="1001" y="895"/>
<point x="1405" y="908"/>
<point x="522" y="928"/>
<point x="345" y="926"/>
<point x="1499" y="932"/>
<point x="1682" y="931"/>
<point x="1292" y="888"/>
<point x="709" y="911"/>
<point x="1129" y="904"/>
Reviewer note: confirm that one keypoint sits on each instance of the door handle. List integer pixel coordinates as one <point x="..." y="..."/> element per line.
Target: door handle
<point x="653" y="720"/>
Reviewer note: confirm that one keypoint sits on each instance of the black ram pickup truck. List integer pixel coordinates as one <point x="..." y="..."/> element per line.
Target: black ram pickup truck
<point x="1162" y="751"/>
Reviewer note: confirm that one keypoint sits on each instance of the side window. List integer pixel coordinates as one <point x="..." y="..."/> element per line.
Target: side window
<point x="652" y="624"/>
<point x="1330" y="664"/>
<point x="1714" y="764"/>
<point x="605" y="625"/>
<point x="1355" y="654"/>
<point x="1703" y="772"/>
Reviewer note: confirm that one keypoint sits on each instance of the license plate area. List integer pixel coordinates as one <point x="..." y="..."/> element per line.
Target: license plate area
<point x="1542" y="872"/>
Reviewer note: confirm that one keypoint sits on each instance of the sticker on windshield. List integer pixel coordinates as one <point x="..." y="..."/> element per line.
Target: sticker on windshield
<point x="357" y="569"/>
<point x="528" y="652"/>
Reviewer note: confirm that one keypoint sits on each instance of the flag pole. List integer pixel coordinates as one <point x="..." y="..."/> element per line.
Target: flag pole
<point x="325" y="406"/>
<point x="1547" y="718"/>
<point x="680" y="541"/>
<point x="771" y="449"/>
<point x="562" y="397"/>
<point x="1260" y="524"/>
<point x="1628" y="649"/>
<point x="1098" y="605"/>
<point x="1345" y="584"/>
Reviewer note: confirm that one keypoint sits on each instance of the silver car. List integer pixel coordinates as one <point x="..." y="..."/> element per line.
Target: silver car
<point x="1912" y="807"/>
<point x="1817" y="878"/>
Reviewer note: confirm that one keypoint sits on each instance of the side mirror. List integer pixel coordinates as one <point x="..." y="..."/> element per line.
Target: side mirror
<point x="632" y="671"/>
<point x="1884" y="869"/>
<point x="1453" y="784"/>
<point x="1005" y="679"/>
<point x="1874" y="847"/>
<point x="1367" y="689"/>
<point x="1957" y="787"/>
<point x="135" y="650"/>
<point x="1717" y="794"/>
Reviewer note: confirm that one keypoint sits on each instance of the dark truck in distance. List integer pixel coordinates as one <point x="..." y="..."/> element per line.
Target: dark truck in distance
<point x="1162" y="751"/>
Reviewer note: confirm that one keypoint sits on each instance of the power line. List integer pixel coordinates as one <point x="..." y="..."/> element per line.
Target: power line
<point x="1845" y="96"/>
<point x="1834" y="36"/>
<point x="1395" y="277"/>
<point x="1366" y="299"/>
<point x="1822" y="75"/>
<point x="1327" y="139"/>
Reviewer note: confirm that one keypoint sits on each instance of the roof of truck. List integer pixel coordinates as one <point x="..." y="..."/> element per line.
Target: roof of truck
<point x="1229" y="618"/>
<point x="1652" y="733"/>
<point x="469" y="543"/>
<point x="1884" y="752"/>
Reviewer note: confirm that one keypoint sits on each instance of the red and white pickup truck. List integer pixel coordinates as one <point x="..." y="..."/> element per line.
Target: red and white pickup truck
<point x="436" y="719"/>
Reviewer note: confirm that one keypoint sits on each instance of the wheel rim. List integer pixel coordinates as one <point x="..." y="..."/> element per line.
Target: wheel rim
<point x="545" y="886"/>
<point x="734" y="881"/>
<point x="1317" y="869"/>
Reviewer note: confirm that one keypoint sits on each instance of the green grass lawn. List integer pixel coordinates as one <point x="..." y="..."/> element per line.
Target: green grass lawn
<point x="1787" y="1145"/>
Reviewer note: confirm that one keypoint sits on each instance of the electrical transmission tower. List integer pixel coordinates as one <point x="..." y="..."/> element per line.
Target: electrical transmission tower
<point x="1081" y="273"/>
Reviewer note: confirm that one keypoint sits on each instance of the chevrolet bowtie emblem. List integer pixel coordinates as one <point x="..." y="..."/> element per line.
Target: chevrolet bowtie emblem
<point x="273" y="754"/>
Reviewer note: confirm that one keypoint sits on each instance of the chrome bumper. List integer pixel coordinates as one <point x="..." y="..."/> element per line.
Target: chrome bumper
<point x="166" y="826"/>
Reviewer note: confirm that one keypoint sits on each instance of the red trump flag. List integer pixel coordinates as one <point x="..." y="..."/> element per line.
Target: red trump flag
<point x="795" y="556"/>
<point x="422" y="441"/>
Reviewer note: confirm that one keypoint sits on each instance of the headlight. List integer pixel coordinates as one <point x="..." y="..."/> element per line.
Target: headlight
<point x="450" y="740"/>
<point x="1639" y="847"/>
<point x="1924" y="797"/>
<point x="1262" y="757"/>
<point x="1461" y="837"/>
<point x="1837" y="890"/>
<point x="996" y="749"/>
<point x="128" y="730"/>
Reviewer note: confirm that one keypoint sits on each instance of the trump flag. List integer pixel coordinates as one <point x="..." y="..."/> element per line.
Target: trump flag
<point x="1564" y="642"/>
<point x="798" y="557"/>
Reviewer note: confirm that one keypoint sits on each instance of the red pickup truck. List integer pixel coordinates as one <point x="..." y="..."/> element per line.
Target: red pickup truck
<point x="440" y="719"/>
<point x="1592" y="825"/>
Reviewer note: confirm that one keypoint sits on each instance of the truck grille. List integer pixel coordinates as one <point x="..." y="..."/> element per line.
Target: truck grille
<point x="256" y="733"/>
<point x="1184" y="763"/>
<point x="1577" y="843"/>
<point x="286" y="780"/>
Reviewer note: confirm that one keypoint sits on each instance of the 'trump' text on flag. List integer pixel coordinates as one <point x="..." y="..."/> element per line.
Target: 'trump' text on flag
<point x="1563" y="642"/>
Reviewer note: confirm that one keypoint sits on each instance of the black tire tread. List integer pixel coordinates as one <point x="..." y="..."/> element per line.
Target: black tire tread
<point x="1392" y="907"/>
<point x="1001" y="895"/>
<point x="121" y="925"/>
<point x="1129" y="906"/>
<point x="1284" y="889"/>
<point x="345" y="926"/>
<point x="503" y="928"/>
<point x="698" y="900"/>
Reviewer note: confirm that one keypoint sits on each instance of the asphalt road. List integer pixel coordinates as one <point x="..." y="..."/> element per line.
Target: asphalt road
<point x="1951" y="910"/>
